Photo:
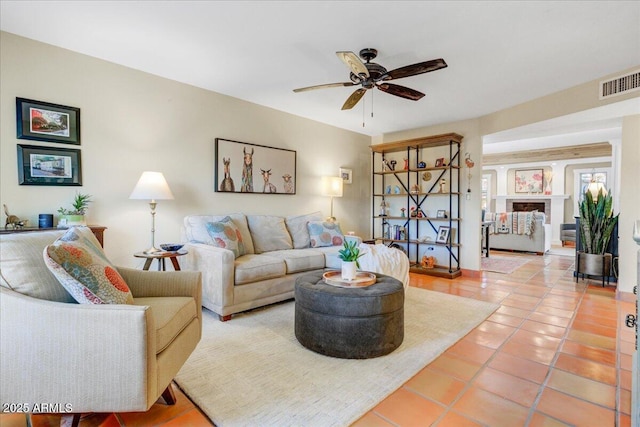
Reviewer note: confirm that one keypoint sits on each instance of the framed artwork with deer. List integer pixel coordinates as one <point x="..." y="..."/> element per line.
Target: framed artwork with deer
<point x="242" y="167"/>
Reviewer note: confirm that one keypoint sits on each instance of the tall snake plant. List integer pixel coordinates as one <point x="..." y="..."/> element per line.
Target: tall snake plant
<point x="596" y="222"/>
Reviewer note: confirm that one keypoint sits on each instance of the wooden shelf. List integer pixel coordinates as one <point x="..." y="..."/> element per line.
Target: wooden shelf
<point x="424" y="142"/>
<point x="430" y="168"/>
<point x="438" y="271"/>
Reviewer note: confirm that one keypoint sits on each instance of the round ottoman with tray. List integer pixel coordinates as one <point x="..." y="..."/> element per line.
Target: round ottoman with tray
<point x="349" y="322"/>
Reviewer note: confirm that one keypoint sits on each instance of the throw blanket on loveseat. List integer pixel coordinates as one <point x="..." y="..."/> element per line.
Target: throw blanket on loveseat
<point x="521" y="223"/>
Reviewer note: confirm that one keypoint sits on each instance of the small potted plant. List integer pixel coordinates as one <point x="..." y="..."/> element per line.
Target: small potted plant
<point x="75" y="216"/>
<point x="349" y="255"/>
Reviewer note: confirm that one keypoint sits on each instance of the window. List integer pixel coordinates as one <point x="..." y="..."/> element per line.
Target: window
<point x="486" y="192"/>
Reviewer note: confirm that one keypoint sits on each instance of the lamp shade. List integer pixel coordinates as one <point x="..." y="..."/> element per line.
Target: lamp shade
<point x="151" y="186"/>
<point x="594" y="188"/>
<point x="332" y="186"/>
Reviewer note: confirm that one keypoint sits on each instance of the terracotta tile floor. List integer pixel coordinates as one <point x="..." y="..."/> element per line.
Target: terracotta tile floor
<point x="555" y="353"/>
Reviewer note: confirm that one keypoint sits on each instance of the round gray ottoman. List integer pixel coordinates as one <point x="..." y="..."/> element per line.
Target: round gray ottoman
<point x="350" y="323"/>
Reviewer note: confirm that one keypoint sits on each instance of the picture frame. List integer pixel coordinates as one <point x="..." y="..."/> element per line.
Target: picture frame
<point x="44" y="121"/>
<point x="443" y="234"/>
<point x="242" y="167"/>
<point x="49" y="166"/>
<point x="441" y="213"/>
<point x="440" y="162"/>
<point x="346" y="175"/>
<point x="528" y="181"/>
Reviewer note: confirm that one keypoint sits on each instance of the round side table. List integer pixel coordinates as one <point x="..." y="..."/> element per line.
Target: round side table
<point x="161" y="257"/>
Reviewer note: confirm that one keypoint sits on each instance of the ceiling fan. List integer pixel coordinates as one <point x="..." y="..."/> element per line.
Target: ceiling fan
<point x="369" y="75"/>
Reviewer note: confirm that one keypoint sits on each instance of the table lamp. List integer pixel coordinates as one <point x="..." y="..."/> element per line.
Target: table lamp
<point x="152" y="186"/>
<point x="332" y="186"/>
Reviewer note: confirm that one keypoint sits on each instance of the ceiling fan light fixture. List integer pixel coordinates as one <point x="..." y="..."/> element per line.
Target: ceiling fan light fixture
<point x="368" y="74"/>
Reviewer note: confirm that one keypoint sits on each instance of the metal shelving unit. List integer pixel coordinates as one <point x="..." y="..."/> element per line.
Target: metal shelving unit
<point x="405" y="180"/>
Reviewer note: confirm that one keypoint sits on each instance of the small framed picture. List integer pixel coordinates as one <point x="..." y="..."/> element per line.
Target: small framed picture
<point x="443" y="234"/>
<point x="440" y="162"/>
<point x="48" y="166"/>
<point x="42" y="121"/>
<point x="441" y="214"/>
<point x="346" y="175"/>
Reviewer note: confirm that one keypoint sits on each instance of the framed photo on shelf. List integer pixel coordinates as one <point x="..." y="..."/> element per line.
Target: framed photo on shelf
<point x="528" y="181"/>
<point x="441" y="214"/>
<point x="43" y="121"/>
<point x="48" y="166"/>
<point x="346" y="175"/>
<point x="440" y="162"/>
<point x="443" y="234"/>
<point x="241" y="167"/>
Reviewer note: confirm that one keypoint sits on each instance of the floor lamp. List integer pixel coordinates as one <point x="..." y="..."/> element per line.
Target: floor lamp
<point x="332" y="186"/>
<point x="152" y="186"/>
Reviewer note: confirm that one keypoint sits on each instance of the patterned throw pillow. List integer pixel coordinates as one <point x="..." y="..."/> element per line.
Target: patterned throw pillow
<point x="226" y="235"/>
<point x="79" y="263"/>
<point x="325" y="233"/>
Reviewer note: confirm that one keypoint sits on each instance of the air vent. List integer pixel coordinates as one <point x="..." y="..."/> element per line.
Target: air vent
<point x="620" y="85"/>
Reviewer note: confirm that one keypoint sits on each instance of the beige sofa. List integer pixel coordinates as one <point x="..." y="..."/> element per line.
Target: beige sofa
<point x="539" y="241"/>
<point x="90" y="358"/>
<point x="277" y="252"/>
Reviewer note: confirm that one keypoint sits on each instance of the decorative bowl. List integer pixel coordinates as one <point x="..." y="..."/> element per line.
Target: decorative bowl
<point x="171" y="247"/>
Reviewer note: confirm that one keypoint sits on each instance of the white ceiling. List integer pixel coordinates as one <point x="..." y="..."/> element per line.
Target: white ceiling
<point x="499" y="54"/>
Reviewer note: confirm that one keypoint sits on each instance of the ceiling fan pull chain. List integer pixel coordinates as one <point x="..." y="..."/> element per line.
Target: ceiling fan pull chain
<point x="371" y="104"/>
<point x="363" y="114"/>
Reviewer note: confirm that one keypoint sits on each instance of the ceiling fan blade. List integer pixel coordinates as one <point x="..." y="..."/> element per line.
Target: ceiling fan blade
<point x="353" y="99"/>
<point x="343" y="84"/>
<point x="414" y="69"/>
<point x="401" y="91"/>
<point x="357" y="66"/>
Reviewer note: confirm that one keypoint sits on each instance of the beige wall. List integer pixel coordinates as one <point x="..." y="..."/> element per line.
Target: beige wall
<point x="629" y="202"/>
<point x="133" y="121"/>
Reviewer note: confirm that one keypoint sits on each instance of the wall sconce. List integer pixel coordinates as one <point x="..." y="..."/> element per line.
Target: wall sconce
<point x="152" y="186"/>
<point x="332" y="186"/>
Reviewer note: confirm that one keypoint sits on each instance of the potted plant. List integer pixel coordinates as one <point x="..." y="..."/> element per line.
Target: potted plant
<point x="75" y="216"/>
<point x="597" y="223"/>
<point x="349" y="255"/>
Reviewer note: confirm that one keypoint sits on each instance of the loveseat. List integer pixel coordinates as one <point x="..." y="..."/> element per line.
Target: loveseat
<point x="519" y="231"/>
<point x="248" y="261"/>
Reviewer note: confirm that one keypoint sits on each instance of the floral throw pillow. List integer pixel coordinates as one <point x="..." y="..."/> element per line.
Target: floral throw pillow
<point x="226" y="235"/>
<point x="325" y="233"/>
<point x="80" y="265"/>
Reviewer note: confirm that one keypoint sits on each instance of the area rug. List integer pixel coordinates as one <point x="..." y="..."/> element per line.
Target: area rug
<point x="502" y="264"/>
<point x="251" y="370"/>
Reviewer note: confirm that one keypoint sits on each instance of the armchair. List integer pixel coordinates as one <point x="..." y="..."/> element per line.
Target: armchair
<point x="90" y="358"/>
<point x="568" y="233"/>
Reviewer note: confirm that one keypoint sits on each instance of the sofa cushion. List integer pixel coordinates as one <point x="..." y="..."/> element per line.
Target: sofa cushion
<point x="251" y="268"/>
<point x="298" y="260"/>
<point x="297" y="226"/>
<point x="79" y="263"/>
<point x="171" y="316"/>
<point x="23" y="268"/>
<point x="269" y="233"/>
<point x="325" y="233"/>
<point x="195" y="229"/>
<point x="226" y="235"/>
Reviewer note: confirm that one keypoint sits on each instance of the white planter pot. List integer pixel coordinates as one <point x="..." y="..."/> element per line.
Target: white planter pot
<point x="348" y="270"/>
<point x="71" y="220"/>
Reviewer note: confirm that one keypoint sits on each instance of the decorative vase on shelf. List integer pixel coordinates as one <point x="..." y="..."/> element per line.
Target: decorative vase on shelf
<point x="348" y="270"/>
